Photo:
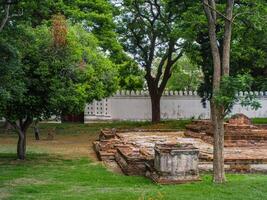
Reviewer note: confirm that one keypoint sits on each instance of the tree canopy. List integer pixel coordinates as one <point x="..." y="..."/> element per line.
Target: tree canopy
<point x="60" y="70"/>
<point x="248" y="52"/>
<point x="149" y="31"/>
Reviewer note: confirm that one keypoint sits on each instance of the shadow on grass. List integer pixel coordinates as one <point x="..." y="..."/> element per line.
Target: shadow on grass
<point x="31" y="158"/>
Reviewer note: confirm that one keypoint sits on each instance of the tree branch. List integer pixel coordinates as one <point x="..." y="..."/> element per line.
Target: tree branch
<point x="213" y="9"/>
<point x="4" y="21"/>
<point x="160" y="67"/>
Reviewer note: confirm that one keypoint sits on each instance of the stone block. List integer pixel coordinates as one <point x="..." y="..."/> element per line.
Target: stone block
<point x="175" y="163"/>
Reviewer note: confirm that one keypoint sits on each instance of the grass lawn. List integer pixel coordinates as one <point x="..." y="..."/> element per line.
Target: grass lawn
<point x="259" y="120"/>
<point x="67" y="169"/>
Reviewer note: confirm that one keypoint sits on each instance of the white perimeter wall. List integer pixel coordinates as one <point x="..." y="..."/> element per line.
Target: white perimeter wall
<point x="127" y="105"/>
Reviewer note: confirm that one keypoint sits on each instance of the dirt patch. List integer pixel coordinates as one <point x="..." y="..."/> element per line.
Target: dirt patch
<point x="4" y="193"/>
<point x="69" y="146"/>
<point x="26" y="181"/>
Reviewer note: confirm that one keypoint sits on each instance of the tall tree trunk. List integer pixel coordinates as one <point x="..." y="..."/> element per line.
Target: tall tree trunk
<point x="155" y="103"/>
<point x="21" y="146"/>
<point x="218" y="146"/>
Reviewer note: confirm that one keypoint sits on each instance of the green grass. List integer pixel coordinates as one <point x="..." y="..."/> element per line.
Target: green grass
<point x="259" y="120"/>
<point x="43" y="176"/>
<point x="78" y="128"/>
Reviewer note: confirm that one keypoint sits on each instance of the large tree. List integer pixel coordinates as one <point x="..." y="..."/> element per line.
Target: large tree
<point x="150" y="32"/>
<point x="96" y="16"/>
<point x="248" y="52"/>
<point x="220" y="20"/>
<point x="62" y="71"/>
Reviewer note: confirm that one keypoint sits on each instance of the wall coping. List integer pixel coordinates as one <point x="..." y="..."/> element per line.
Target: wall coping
<point x="144" y="93"/>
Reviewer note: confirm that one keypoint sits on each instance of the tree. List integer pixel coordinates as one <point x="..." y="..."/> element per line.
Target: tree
<point x="62" y="71"/>
<point x="224" y="87"/>
<point x="248" y="48"/>
<point x="221" y="67"/>
<point x="149" y="31"/>
<point x="11" y="85"/>
<point x="186" y="76"/>
<point x="131" y="76"/>
<point x="5" y="13"/>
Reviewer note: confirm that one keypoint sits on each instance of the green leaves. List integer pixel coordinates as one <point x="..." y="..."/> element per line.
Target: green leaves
<point x="186" y="76"/>
<point x="230" y="87"/>
<point x="56" y="79"/>
<point x="11" y="76"/>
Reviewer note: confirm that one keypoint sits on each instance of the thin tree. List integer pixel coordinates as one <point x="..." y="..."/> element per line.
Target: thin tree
<point x="221" y="66"/>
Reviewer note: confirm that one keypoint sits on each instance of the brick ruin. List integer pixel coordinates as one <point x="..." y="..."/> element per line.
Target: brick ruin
<point x="137" y="152"/>
<point x="239" y="131"/>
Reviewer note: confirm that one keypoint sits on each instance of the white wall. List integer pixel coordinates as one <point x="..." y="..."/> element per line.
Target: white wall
<point x="127" y="105"/>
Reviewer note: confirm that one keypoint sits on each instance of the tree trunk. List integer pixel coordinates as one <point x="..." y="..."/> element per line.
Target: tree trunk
<point x="218" y="147"/>
<point x="21" y="146"/>
<point x="22" y="127"/>
<point x="155" y="103"/>
<point x="36" y="131"/>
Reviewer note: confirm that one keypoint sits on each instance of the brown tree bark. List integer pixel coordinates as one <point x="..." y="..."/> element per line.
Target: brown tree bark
<point x="155" y="105"/>
<point x="36" y="130"/>
<point x="21" y="126"/>
<point x="21" y="146"/>
<point x="218" y="144"/>
<point x="221" y="67"/>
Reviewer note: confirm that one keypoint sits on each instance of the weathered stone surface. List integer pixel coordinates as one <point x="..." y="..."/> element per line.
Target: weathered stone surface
<point x="174" y="163"/>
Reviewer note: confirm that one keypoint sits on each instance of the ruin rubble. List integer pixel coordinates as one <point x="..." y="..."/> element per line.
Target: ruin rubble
<point x="134" y="150"/>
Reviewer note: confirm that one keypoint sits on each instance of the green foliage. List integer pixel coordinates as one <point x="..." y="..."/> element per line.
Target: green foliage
<point x="186" y="76"/>
<point x="11" y="86"/>
<point x="248" y="48"/>
<point x="96" y="17"/>
<point x="137" y="23"/>
<point x="59" y="79"/>
<point x="131" y="76"/>
<point x="230" y="87"/>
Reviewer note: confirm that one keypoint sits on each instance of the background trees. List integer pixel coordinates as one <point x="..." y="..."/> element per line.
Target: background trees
<point x="248" y="52"/>
<point x="150" y="32"/>
<point x="95" y="16"/>
<point x="60" y="71"/>
<point x="186" y="75"/>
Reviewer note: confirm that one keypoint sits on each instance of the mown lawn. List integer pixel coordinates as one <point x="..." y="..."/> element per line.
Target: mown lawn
<point x="48" y="174"/>
<point x="259" y="120"/>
